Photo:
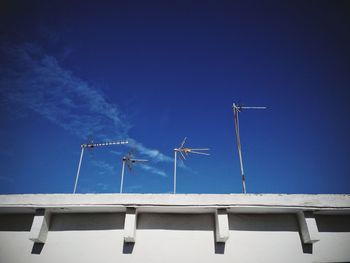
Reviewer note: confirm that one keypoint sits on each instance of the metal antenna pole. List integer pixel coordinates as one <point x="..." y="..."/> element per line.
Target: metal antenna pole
<point x="175" y="158"/>
<point x="78" y="172"/>
<point x="122" y="178"/>
<point x="239" y="148"/>
<point x="236" y="109"/>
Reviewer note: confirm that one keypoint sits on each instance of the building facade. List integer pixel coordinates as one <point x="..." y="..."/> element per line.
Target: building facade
<point x="174" y="228"/>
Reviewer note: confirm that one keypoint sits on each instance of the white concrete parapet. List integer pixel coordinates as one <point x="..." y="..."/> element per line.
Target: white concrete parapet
<point x="130" y="225"/>
<point x="235" y="203"/>
<point x="221" y="225"/>
<point x="308" y="227"/>
<point x="40" y="226"/>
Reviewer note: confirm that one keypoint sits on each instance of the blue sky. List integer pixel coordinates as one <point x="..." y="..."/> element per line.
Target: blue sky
<point x="154" y="72"/>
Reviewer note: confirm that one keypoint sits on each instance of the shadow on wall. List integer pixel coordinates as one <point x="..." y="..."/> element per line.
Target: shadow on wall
<point x="101" y="221"/>
<point x="128" y="247"/>
<point x="20" y="222"/>
<point x="188" y="222"/>
<point x="220" y="248"/>
<point x="307" y="248"/>
<point x="267" y="222"/>
<point x="203" y="222"/>
<point x="37" y="248"/>
<point x="333" y="223"/>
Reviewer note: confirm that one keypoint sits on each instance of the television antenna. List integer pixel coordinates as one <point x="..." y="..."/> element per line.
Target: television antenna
<point x="237" y="108"/>
<point x="184" y="151"/>
<point x="90" y="146"/>
<point x="129" y="161"/>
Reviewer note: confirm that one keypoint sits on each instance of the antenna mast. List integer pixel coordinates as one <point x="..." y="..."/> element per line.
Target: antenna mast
<point x="184" y="152"/>
<point x="92" y="145"/>
<point x="237" y="109"/>
<point x="129" y="161"/>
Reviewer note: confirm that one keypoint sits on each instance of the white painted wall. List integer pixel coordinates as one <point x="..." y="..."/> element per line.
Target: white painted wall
<point x="334" y="233"/>
<point x="162" y="237"/>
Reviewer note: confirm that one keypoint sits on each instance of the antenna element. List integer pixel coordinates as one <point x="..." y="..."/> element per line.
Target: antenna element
<point x="129" y="161"/>
<point x="92" y="145"/>
<point x="183" y="154"/>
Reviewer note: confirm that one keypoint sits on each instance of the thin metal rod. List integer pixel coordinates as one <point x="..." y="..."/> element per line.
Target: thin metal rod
<point x="240" y="107"/>
<point x="91" y="145"/>
<point x="175" y="158"/>
<point x="200" y="153"/>
<point x="183" y="156"/>
<point x="239" y="148"/>
<point x="78" y="172"/>
<point x="200" y="149"/>
<point x="122" y="178"/>
<point x="259" y="108"/>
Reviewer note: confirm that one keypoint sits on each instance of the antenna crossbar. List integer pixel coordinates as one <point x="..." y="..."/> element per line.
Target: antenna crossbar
<point x="257" y="107"/>
<point x="91" y="145"/>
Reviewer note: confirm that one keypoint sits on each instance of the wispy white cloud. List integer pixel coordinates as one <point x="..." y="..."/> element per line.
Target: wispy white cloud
<point x="34" y="80"/>
<point x="103" y="166"/>
<point x="153" y="170"/>
<point x="154" y="154"/>
<point x="103" y="186"/>
<point x="153" y="159"/>
<point x="37" y="81"/>
<point x="133" y="188"/>
<point x="116" y="152"/>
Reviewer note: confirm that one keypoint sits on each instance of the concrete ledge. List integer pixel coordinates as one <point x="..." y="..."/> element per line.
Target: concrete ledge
<point x="40" y="226"/>
<point x="234" y="203"/>
<point x="130" y="224"/>
<point x="322" y="201"/>
<point x="221" y="226"/>
<point x="308" y="227"/>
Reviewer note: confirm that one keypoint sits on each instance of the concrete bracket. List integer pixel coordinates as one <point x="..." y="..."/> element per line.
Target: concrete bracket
<point x="221" y="225"/>
<point x="308" y="227"/>
<point x="130" y="225"/>
<point x="40" y="226"/>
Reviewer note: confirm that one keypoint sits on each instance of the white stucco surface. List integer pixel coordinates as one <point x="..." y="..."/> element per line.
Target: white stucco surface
<point x="249" y="203"/>
<point x="293" y="200"/>
<point x="175" y="228"/>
